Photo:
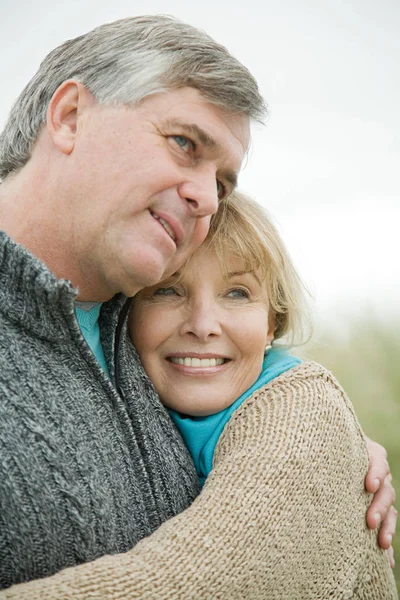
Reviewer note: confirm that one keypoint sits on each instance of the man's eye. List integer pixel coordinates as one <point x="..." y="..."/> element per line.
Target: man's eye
<point x="220" y="189"/>
<point x="238" y="294"/>
<point x="184" y="143"/>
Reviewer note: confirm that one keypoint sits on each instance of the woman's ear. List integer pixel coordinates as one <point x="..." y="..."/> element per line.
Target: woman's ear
<point x="271" y="328"/>
<point x="64" y="111"/>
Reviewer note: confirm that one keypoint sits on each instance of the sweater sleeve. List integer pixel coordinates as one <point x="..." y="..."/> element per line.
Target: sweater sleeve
<point x="282" y="514"/>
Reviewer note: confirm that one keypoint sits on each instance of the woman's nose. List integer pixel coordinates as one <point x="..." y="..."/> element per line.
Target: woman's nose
<point x="202" y="322"/>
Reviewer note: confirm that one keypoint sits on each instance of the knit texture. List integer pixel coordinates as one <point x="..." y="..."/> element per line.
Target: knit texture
<point x="84" y="471"/>
<point x="281" y="516"/>
<point x="201" y="434"/>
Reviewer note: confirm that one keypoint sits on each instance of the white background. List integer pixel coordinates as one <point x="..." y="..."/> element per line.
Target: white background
<point x="327" y="164"/>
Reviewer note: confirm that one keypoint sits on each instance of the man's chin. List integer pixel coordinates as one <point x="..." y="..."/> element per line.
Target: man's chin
<point x="136" y="285"/>
<point x="174" y="265"/>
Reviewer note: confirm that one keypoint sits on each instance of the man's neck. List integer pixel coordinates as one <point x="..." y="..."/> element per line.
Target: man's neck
<point x="34" y="222"/>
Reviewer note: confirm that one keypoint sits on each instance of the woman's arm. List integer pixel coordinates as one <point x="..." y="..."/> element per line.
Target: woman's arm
<point x="281" y="516"/>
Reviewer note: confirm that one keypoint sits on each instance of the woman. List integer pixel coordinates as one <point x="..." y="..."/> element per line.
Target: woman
<point x="288" y="461"/>
<point x="261" y="418"/>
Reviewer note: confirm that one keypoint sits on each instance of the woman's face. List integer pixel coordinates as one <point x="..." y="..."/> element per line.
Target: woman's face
<point x="201" y="339"/>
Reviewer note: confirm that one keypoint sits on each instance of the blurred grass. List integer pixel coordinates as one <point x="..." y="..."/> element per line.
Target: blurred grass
<point x="365" y="357"/>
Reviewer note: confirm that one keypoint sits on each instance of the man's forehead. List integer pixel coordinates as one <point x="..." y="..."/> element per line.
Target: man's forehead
<point x="189" y="107"/>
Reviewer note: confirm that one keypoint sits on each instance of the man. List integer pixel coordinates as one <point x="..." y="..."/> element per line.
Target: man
<point x="113" y="160"/>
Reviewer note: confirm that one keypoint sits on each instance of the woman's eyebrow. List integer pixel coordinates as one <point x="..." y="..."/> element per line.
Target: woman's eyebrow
<point x="240" y="273"/>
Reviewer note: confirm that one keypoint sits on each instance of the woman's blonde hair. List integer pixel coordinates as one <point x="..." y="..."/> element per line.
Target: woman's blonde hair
<point x="243" y="228"/>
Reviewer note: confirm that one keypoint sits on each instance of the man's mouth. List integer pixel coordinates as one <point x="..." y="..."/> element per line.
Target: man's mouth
<point x="188" y="361"/>
<point x="165" y="225"/>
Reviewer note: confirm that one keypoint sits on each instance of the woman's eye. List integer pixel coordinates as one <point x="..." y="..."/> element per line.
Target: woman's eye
<point x="238" y="294"/>
<point x="167" y="291"/>
<point x="184" y="143"/>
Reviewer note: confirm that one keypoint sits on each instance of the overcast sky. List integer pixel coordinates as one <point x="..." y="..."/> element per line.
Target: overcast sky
<point x="327" y="164"/>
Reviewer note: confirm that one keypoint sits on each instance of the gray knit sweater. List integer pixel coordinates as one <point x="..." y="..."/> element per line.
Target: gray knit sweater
<point x="88" y="465"/>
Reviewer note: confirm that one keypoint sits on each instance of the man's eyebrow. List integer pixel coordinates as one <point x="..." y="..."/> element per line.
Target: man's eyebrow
<point x="239" y="273"/>
<point x="206" y="140"/>
<point x="192" y="129"/>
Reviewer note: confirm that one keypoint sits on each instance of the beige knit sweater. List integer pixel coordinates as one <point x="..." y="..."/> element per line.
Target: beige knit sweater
<point x="281" y="517"/>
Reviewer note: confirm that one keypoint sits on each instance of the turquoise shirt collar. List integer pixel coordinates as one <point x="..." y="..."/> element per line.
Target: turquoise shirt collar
<point x="89" y="323"/>
<point x="201" y="434"/>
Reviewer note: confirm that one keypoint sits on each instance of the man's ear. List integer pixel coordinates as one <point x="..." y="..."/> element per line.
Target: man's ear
<point x="64" y="111"/>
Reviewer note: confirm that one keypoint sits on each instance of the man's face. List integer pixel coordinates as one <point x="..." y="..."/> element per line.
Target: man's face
<point x="149" y="178"/>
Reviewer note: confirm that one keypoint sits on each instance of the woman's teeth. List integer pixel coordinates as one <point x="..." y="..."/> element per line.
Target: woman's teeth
<point x="165" y="225"/>
<point x="198" y="362"/>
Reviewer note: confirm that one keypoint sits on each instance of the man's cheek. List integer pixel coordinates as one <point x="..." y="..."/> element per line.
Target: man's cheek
<point x="200" y="232"/>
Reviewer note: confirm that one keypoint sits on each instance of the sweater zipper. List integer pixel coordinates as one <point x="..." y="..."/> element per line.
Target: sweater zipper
<point x="118" y="333"/>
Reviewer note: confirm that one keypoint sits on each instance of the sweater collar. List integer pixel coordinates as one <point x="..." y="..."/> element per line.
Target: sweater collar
<point x="34" y="299"/>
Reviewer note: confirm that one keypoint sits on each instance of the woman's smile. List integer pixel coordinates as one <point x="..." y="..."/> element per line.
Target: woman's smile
<point x="201" y="334"/>
<point x="198" y="365"/>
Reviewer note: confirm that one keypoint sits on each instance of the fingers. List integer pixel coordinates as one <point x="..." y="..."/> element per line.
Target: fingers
<point x="381" y="504"/>
<point x="377" y="474"/>
<point x="381" y="512"/>
<point x="391" y="556"/>
<point x="388" y="529"/>
<point x="378" y="466"/>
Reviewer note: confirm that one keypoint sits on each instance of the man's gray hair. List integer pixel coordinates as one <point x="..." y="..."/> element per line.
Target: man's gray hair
<point x="121" y="63"/>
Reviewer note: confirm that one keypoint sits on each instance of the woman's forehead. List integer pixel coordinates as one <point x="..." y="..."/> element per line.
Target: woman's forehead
<point x="221" y="262"/>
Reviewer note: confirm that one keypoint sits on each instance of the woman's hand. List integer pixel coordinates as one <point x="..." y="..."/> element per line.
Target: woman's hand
<point x="382" y="511"/>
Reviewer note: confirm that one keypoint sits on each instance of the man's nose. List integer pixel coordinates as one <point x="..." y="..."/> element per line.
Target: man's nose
<point x="202" y="321"/>
<point x="201" y="193"/>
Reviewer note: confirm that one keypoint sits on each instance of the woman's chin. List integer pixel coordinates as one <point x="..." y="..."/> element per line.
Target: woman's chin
<point x="195" y="409"/>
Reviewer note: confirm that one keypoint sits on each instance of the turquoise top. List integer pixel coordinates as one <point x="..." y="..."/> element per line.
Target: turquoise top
<point x="201" y="434"/>
<point x="89" y="323"/>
